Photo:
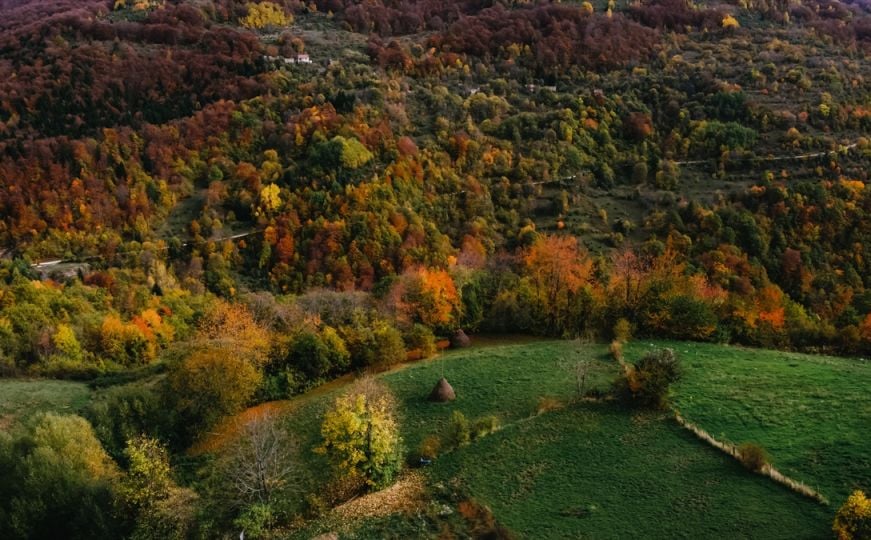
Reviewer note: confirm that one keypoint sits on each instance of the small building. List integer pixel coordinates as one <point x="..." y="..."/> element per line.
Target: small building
<point x="301" y="58"/>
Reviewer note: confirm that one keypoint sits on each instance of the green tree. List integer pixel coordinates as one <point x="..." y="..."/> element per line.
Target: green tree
<point x="56" y="481"/>
<point x="376" y="344"/>
<point x="646" y="383"/>
<point x="209" y="385"/>
<point x="318" y="355"/>
<point x="162" y="509"/>
<point x="123" y="412"/>
<point x="353" y="154"/>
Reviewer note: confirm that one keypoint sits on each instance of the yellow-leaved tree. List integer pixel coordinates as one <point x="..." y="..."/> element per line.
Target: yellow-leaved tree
<point x="361" y="436"/>
<point x="853" y="520"/>
<point x="730" y="22"/>
<point x="270" y="198"/>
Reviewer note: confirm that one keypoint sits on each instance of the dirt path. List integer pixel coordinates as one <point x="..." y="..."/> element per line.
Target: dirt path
<point x="229" y="428"/>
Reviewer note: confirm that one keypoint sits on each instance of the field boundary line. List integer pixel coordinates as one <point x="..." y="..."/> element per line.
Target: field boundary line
<point x="766" y="470"/>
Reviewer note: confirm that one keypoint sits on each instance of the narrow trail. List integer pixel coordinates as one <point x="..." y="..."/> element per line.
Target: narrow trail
<point x="795" y="157"/>
<point x="46" y="264"/>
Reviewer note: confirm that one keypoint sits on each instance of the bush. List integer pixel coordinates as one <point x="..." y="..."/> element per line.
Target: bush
<point x="622" y="331"/>
<point x="255" y="520"/>
<point x="421" y="339"/>
<point x="753" y="456"/>
<point x="57" y="482"/>
<point x="853" y="520"/>
<point x="457" y="433"/>
<point x="646" y="383"/>
<point x="125" y="343"/>
<point x="315" y="506"/>
<point x="319" y="355"/>
<point x="377" y="346"/>
<point x="148" y="492"/>
<point x="481" y="521"/>
<point x="484" y="426"/>
<point x="123" y="412"/>
<point x="547" y="404"/>
<point x="690" y="318"/>
<point x="430" y="447"/>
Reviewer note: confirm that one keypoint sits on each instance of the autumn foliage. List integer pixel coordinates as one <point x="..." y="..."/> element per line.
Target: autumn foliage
<point x="426" y="296"/>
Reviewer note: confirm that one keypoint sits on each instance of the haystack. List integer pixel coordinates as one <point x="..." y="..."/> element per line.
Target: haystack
<point x="460" y="340"/>
<point x="442" y="391"/>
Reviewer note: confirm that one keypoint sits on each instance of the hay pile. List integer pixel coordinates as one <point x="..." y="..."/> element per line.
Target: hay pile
<point x="442" y="391"/>
<point x="460" y="340"/>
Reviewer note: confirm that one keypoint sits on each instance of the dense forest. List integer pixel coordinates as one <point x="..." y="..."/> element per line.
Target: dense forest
<point x="242" y="200"/>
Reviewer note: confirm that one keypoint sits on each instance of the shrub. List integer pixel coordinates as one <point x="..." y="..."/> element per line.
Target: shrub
<point x="319" y="355"/>
<point x="125" y="343"/>
<point x="457" y="433"/>
<point x="622" y="331"/>
<point x="429" y="448"/>
<point x="315" y="506"/>
<point x="148" y="492"/>
<point x="420" y="338"/>
<point x="255" y="520"/>
<point x="57" y="481"/>
<point x="547" y="404"/>
<point x="752" y="456"/>
<point x="481" y="521"/>
<point x="853" y="520"/>
<point x="646" y="383"/>
<point x="123" y="412"/>
<point x="377" y="346"/>
<point x="484" y="426"/>
<point x="690" y="318"/>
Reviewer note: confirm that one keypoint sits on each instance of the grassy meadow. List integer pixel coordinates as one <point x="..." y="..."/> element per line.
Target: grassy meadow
<point x="811" y="413"/>
<point x="597" y="471"/>
<point x="22" y="398"/>
<point x="593" y="471"/>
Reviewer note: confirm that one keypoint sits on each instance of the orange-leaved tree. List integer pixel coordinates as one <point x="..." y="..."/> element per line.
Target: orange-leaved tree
<point x="558" y="269"/>
<point x="426" y="296"/>
<point x="232" y="328"/>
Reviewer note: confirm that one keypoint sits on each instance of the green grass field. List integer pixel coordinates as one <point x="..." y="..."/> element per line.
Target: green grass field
<point x="593" y="471"/>
<point x="811" y="413"/>
<point x="20" y="399"/>
<point x="640" y="475"/>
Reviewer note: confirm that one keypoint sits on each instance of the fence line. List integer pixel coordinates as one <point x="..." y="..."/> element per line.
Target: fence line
<point x="766" y="470"/>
